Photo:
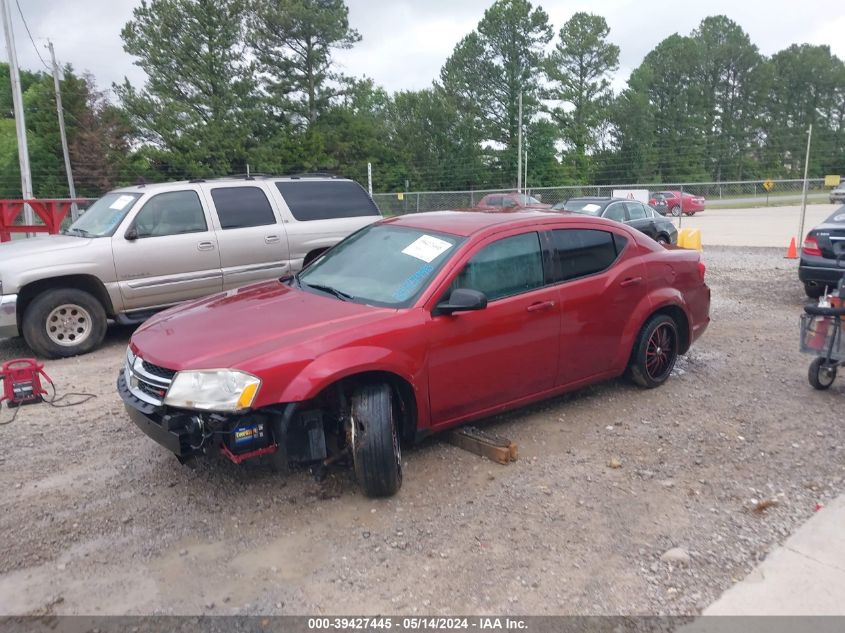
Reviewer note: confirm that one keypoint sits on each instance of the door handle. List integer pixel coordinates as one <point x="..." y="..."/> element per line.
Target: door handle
<point x="541" y="305"/>
<point x="630" y="281"/>
<point x="271" y="239"/>
<point x="205" y="246"/>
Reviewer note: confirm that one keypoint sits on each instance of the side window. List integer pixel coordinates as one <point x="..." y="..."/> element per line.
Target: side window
<point x="240" y="207"/>
<point x="325" y="199"/>
<point x="615" y="212"/>
<point x="508" y="202"/>
<point x="582" y="252"/>
<point x="172" y="213"/>
<point x="494" y="201"/>
<point x="636" y="211"/>
<point x="508" y="267"/>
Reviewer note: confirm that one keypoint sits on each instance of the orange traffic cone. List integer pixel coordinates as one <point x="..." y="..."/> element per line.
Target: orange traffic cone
<point x="792" y="251"/>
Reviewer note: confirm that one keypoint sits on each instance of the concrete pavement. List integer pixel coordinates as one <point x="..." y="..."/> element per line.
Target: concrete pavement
<point x="805" y="576"/>
<point x="761" y="226"/>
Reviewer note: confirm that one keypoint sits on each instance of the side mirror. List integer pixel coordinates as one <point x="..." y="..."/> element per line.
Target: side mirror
<point x="462" y="300"/>
<point x="131" y="234"/>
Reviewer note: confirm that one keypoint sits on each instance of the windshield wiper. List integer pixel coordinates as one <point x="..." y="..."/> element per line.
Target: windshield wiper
<point x="332" y="291"/>
<point x="78" y="231"/>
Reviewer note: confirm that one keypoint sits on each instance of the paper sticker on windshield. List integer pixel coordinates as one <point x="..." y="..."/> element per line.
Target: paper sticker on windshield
<point x="427" y="248"/>
<point x="121" y="202"/>
<point x="589" y="208"/>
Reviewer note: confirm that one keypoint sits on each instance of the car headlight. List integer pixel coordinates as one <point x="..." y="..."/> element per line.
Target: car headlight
<point x="212" y="390"/>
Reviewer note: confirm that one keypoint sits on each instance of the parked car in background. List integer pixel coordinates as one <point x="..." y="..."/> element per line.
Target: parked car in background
<point x="411" y="326"/>
<point x="688" y="204"/>
<point x="505" y="202"/>
<point x="837" y="194"/>
<point x="658" y="203"/>
<point x="817" y="267"/>
<point x="636" y="214"/>
<point x="140" y="249"/>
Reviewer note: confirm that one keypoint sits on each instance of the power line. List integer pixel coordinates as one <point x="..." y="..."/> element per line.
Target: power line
<point x="26" y="26"/>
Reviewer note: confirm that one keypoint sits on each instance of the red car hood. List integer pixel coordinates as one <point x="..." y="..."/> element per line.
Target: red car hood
<point x="239" y="326"/>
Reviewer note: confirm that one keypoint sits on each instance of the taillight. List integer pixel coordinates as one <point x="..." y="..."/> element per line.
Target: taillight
<point x="701" y="269"/>
<point x="811" y="246"/>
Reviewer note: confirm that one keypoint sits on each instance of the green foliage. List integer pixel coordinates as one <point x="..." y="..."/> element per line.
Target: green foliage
<point x="579" y="71"/>
<point x="200" y="101"/>
<point x="492" y="66"/>
<point x="294" y="40"/>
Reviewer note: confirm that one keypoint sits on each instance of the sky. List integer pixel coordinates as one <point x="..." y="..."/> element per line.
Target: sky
<point x="405" y="42"/>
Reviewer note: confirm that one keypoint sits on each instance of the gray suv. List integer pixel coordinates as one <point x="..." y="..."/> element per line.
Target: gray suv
<point x="140" y="249"/>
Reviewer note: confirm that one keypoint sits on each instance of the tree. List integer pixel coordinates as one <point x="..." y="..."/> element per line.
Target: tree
<point x="294" y="41"/>
<point x="199" y="102"/>
<point x="731" y="75"/>
<point x="492" y="66"/>
<point x="808" y="81"/>
<point x="437" y="147"/>
<point x="579" y="70"/>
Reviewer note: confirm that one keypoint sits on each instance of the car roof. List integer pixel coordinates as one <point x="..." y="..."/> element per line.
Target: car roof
<point x="466" y="223"/>
<point x="600" y="199"/>
<point x="163" y="186"/>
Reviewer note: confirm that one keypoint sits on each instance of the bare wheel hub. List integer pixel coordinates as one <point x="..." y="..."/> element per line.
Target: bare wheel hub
<point x="68" y="325"/>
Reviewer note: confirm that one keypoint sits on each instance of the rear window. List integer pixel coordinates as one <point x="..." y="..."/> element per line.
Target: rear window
<point x="325" y="200"/>
<point x="240" y="207"/>
<point x="582" y="252"/>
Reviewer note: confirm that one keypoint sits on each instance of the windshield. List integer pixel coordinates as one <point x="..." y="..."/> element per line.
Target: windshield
<point x="381" y="265"/>
<point x="583" y="206"/>
<point x="103" y="217"/>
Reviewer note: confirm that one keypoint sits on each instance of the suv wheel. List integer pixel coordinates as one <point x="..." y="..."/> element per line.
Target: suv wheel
<point x="64" y="322"/>
<point x="375" y="441"/>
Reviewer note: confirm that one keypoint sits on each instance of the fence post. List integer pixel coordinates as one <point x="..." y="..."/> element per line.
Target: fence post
<point x="418" y="202"/>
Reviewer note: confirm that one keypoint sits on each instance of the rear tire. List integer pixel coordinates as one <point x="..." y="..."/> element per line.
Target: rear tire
<point x="64" y="322"/>
<point x="375" y="441"/>
<point x="675" y="211"/>
<point x="813" y="292"/>
<point x="663" y="239"/>
<point x="821" y="375"/>
<point x="655" y="352"/>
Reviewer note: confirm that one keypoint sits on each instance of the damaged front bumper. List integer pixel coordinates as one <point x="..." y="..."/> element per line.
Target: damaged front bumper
<point x="281" y="434"/>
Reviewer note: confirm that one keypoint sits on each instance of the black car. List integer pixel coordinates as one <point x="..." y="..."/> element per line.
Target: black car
<point x="818" y="267"/>
<point x="659" y="204"/>
<point x="636" y="214"/>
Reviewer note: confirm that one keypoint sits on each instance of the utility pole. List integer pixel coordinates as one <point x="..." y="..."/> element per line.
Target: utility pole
<point x="20" y="123"/>
<point x="519" y="149"/>
<point x="74" y="212"/>
<point x="525" y="165"/>
<point x="370" y="179"/>
<point x="800" y="239"/>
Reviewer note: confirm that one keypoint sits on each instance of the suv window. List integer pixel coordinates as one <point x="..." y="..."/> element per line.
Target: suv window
<point x="171" y="213"/>
<point x="636" y="211"/>
<point x="240" y="207"/>
<point x="504" y="268"/>
<point x="325" y="200"/>
<point x="582" y="252"/>
<point x="615" y="212"/>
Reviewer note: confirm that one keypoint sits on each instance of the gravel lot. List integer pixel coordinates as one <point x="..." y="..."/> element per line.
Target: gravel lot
<point x="95" y="518"/>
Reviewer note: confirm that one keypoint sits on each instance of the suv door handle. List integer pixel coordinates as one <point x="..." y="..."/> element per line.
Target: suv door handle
<point x="540" y="305"/>
<point x="630" y="281"/>
<point x="271" y="239"/>
<point x="205" y="246"/>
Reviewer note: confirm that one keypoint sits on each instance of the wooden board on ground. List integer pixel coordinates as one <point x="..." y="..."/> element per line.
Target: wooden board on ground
<point x="493" y="447"/>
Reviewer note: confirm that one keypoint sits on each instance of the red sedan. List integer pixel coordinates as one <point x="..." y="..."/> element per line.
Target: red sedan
<point x="508" y="202"/>
<point x="411" y="326"/>
<point x="675" y="204"/>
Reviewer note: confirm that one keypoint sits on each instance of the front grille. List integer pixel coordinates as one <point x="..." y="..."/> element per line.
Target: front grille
<point x="146" y="381"/>
<point x="155" y="370"/>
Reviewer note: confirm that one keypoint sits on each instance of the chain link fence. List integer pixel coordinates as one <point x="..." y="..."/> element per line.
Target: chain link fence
<point x="745" y="193"/>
